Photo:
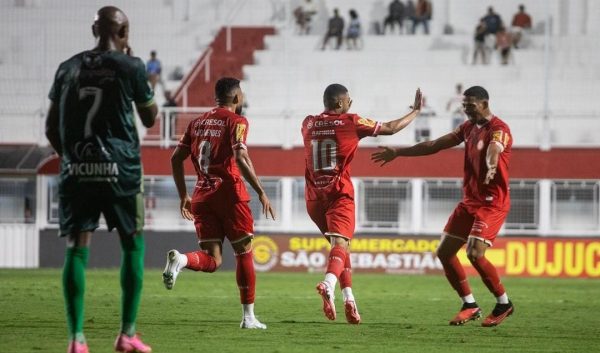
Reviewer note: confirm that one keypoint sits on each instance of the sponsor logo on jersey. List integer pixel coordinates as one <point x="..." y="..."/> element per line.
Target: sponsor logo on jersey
<point x="328" y="123"/>
<point x="366" y="122"/>
<point x="240" y="131"/>
<point x="216" y="122"/>
<point x="309" y="125"/>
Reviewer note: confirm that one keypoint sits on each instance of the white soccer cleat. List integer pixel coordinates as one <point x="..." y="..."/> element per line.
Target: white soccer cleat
<point x="326" y="292"/>
<point x="252" y="324"/>
<point x="172" y="269"/>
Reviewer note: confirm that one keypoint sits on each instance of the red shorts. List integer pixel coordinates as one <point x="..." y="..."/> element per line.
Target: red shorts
<point x="482" y="223"/>
<point x="333" y="217"/>
<point x="216" y="221"/>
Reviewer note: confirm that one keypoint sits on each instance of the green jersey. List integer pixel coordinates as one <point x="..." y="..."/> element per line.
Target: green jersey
<point x="94" y="92"/>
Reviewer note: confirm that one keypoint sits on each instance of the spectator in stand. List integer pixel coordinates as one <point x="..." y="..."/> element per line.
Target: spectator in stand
<point x="169" y="100"/>
<point x="492" y="21"/>
<point x="480" y="49"/>
<point x="353" y="35"/>
<point x="395" y="15"/>
<point x="454" y="106"/>
<point x="409" y="13"/>
<point x="521" y="23"/>
<point x="335" y="28"/>
<point x="423" y="12"/>
<point x="303" y="15"/>
<point x="503" y="44"/>
<point x="153" y="69"/>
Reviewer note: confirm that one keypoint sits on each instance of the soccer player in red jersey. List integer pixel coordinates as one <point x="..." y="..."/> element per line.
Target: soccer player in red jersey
<point x="216" y="143"/>
<point x="485" y="205"/>
<point x="330" y="141"/>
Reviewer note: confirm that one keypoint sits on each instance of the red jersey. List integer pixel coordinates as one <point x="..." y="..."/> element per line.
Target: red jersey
<point x="477" y="139"/>
<point x="330" y="141"/>
<point x="211" y="139"/>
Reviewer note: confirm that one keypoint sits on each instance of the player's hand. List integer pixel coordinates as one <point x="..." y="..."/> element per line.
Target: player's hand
<point x="491" y="173"/>
<point x="266" y="206"/>
<point x="418" y="100"/>
<point x="384" y="157"/>
<point x="186" y="208"/>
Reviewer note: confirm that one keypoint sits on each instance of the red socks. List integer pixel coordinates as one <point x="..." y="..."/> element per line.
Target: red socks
<point x="337" y="261"/>
<point x="346" y="276"/>
<point x="455" y="274"/>
<point x="489" y="275"/>
<point x="245" y="277"/>
<point x="200" y="261"/>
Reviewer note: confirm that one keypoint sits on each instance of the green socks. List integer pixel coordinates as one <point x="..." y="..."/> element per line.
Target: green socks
<point x="132" y="276"/>
<point x="76" y="259"/>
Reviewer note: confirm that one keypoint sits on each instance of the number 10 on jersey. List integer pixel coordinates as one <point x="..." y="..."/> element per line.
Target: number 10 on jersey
<point x="324" y="154"/>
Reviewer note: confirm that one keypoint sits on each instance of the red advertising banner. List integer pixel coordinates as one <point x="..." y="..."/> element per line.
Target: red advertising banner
<point x="525" y="257"/>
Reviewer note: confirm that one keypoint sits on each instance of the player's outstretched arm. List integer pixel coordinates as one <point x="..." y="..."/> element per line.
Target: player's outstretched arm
<point x="392" y="127"/>
<point x="52" y="125"/>
<point x="245" y="164"/>
<point x="388" y="154"/>
<point x="179" y="156"/>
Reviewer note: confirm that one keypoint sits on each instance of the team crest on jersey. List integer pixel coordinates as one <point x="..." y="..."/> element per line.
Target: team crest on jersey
<point x="309" y="125"/>
<point x="240" y="130"/>
<point x="480" y="145"/>
<point x="366" y="122"/>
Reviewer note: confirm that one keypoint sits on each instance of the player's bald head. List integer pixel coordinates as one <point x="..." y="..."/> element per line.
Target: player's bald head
<point x="110" y="21"/>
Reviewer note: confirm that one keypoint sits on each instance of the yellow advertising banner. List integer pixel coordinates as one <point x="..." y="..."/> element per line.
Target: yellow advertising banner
<point x="525" y="257"/>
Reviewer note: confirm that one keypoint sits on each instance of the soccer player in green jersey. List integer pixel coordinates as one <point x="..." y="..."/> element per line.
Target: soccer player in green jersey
<point x="91" y="125"/>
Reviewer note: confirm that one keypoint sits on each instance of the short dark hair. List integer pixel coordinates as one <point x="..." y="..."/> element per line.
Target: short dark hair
<point x="332" y="92"/>
<point x="477" y="92"/>
<point x="225" y="87"/>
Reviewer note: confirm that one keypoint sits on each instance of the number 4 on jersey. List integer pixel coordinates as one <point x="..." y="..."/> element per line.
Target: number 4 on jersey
<point x="324" y="154"/>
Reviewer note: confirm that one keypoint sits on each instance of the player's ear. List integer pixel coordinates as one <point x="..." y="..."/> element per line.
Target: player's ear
<point x="236" y="98"/>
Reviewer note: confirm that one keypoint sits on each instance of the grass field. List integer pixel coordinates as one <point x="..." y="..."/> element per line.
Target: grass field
<point x="400" y="314"/>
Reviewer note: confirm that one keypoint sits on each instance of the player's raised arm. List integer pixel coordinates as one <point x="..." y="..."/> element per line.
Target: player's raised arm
<point x="52" y="128"/>
<point x="179" y="156"/>
<point x="245" y="164"/>
<point x="421" y="149"/>
<point x="392" y="127"/>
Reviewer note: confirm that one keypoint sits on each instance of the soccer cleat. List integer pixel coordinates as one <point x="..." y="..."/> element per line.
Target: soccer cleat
<point x="126" y="344"/>
<point x="252" y="324"/>
<point x="500" y="312"/>
<point x="468" y="312"/>
<point x="352" y="315"/>
<point x="172" y="268"/>
<point x="326" y="292"/>
<point x="77" y="347"/>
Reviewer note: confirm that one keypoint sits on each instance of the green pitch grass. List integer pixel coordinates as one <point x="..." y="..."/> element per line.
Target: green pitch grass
<point x="202" y="314"/>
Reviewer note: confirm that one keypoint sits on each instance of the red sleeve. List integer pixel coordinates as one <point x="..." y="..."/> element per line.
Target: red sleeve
<point x="186" y="140"/>
<point x="239" y="132"/>
<point x="501" y="136"/>
<point x="366" y="127"/>
<point x="459" y="132"/>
